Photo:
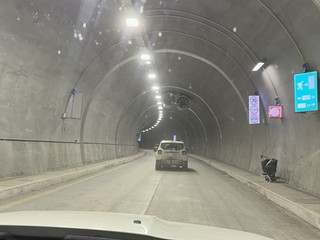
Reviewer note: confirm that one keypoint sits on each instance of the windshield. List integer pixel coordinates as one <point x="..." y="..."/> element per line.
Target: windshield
<point x="172" y="146"/>
<point x="228" y="88"/>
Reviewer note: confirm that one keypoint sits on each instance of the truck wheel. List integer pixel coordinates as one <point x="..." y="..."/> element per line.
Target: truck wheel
<point x="185" y="167"/>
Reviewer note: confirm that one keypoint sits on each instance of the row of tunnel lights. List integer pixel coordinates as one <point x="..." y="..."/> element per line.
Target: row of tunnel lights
<point x="133" y="22"/>
<point x="156" y="89"/>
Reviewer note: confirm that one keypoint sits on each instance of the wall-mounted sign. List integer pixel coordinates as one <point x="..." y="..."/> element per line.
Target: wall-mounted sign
<point x="306" y="92"/>
<point x="275" y="111"/>
<point x="254" y="109"/>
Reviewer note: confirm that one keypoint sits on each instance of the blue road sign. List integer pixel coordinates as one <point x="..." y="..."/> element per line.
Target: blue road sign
<point x="306" y="92"/>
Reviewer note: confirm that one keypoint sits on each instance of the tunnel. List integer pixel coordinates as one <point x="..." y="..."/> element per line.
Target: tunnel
<point x="75" y="84"/>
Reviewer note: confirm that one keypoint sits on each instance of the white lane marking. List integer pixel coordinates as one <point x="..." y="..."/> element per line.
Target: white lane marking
<point x="143" y="212"/>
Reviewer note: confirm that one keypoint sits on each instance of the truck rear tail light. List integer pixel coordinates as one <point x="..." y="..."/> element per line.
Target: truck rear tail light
<point x="159" y="151"/>
<point x="184" y="153"/>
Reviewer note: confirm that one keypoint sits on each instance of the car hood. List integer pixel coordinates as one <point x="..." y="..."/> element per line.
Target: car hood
<point x="119" y="222"/>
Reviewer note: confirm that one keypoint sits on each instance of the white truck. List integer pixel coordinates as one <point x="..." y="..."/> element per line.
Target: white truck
<point x="171" y="154"/>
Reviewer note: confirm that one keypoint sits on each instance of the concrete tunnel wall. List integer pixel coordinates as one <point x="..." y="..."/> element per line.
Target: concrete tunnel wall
<point x="46" y="51"/>
<point x="41" y="62"/>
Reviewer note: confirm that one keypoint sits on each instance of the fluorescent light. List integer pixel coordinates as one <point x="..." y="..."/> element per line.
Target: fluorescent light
<point x="158" y="97"/>
<point x="159" y="103"/>
<point x="145" y="56"/>
<point x="152" y="75"/>
<point x="160" y="112"/>
<point x="155" y="88"/>
<point x="132" y="22"/>
<point x="148" y="62"/>
<point x="258" y="66"/>
<point x="160" y="107"/>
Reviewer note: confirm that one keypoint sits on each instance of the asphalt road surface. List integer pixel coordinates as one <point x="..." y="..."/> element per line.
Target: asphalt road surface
<point x="201" y="195"/>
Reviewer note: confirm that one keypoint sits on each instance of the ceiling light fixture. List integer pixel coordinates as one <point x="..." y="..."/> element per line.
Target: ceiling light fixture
<point x="132" y="22"/>
<point x="145" y="56"/>
<point x="258" y="66"/>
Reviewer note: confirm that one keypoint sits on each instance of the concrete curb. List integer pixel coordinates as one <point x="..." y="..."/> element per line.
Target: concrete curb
<point x="57" y="177"/>
<point x="307" y="215"/>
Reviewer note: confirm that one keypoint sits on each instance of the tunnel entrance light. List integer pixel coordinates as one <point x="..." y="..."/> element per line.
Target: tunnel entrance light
<point x="132" y="22"/>
<point x="258" y="66"/>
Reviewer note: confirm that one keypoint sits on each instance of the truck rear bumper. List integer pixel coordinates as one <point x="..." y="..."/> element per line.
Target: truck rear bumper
<point x="174" y="163"/>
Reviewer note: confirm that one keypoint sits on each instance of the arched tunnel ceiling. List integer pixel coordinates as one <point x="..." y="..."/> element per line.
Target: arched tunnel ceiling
<point x="203" y="49"/>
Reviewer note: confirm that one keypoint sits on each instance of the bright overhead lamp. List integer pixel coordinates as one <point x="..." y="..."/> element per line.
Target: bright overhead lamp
<point x="160" y="112"/>
<point x="258" y="66"/>
<point x="159" y="103"/>
<point x="158" y="97"/>
<point x="160" y="107"/>
<point x="145" y="56"/>
<point x="148" y="62"/>
<point x="152" y="75"/>
<point x="155" y="88"/>
<point x="132" y="22"/>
